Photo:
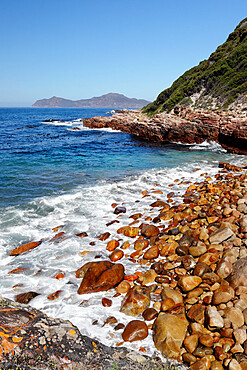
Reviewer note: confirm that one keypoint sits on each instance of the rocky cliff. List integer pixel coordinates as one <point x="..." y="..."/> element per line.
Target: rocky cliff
<point x="219" y="82"/>
<point x="111" y="100"/>
<point x="184" y="126"/>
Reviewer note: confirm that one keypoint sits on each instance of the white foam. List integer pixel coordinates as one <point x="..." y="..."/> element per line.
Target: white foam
<point x="84" y="209"/>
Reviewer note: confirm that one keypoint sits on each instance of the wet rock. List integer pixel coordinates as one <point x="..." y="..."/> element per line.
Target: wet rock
<point x="149" y="314"/>
<point x="141" y="244"/>
<point x="119" y="209"/>
<point x="221" y="235"/>
<point x="131" y="231"/>
<point x="116" y="255"/>
<point x="224" y="267"/>
<point x="104" y="236"/>
<point x="151" y="253"/>
<point x="112" y="244"/>
<point x="149" y="231"/>
<point x="123" y="287"/>
<point x="148" y="277"/>
<point x="135" y="330"/>
<point x="25" y="297"/>
<point x="168" y="334"/>
<point x="54" y="295"/>
<point x="188" y="262"/>
<point x="188" y="283"/>
<point x="24" y="248"/>
<point x="201" y="268"/>
<point x="160" y="203"/>
<point x="198" y="250"/>
<point x="206" y="340"/>
<point x="100" y="276"/>
<point x="106" y="302"/>
<point x="136" y="301"/>
<point x="176" y="296"/>
<point x="182" y="250"/>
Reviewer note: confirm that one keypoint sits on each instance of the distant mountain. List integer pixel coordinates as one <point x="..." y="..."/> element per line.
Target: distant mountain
<point x="111" y="100"/>
<point x="217" y="83"/>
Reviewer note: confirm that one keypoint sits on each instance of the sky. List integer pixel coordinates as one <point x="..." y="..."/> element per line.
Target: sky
<point x="77" y="49"/>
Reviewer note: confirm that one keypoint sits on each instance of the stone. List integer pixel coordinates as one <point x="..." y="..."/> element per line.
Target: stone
<point x="213" y="318"/>
<point x="123" y="287"/>
<point x="224" y="267"/>
<point x="100" y="276"/>
<point x="104" y="236"/>
<point x="160" y="203"/>
<point x="151" y="253"/>
<point x="239" y="272"/>
<point x="141" y="244"/>
<point x="25" y="297"/>
<point x="240" y="335"/>
<point x="136" y="301"/>
<point x="201" y="268"/>
<point x="216" y="365"/>
<point x="131" y="231"/>
<point x="188" y="283"/>
<point x="234" y="365"/>
<point x="197" y="313"/>
<point x="149" y="231"/>
<point x="176" y="296"/>
<point x="112" y="244"/>
<point x="198" y="250"/>
<point x="206" y="340"/>
<point x="221" y="235"/>
<point x="191" y="342"/>
<point x="198" y="365"/>
<point x="168" y="334"/>
<point x="135" y="330"/>
<point x="119" y="209"/>
<point x="235" y="316"/>
<point x="54" y="295"/>
<point x="116" y="255"/>
<point x="148" y="277"/>
<point x="24" y="248"/>
<point x="106" y="302"/>
<point x="188" y="262"/>
<point x="223" y="295"/>
<point x="149" y="314"/>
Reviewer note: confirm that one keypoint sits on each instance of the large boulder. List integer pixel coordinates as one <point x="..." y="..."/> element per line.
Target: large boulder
<point x="99" y="276"/>
<point x="136" y="301"/>
<point x="169" y="331"/>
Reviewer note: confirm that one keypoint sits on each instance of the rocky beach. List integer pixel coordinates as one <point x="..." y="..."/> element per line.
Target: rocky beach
<point x="188" y="290"/>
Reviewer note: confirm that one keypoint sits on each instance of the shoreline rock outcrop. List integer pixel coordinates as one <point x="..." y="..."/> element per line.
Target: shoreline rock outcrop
<point x="184" y="126"/>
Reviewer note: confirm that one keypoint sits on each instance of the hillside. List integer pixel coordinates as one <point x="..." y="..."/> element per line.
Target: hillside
<point x="111" y="100"/>
<point x="217" y="83"/>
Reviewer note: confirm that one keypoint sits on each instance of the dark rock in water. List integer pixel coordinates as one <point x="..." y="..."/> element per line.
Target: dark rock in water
<point x="135" y="330"/>
<point x="25" y="297"/>
<point x="31" y="340"/>
<point x="119" y="209"/>
<point x="100" y="276"/>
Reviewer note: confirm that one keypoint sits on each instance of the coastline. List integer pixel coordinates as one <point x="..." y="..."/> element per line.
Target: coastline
<point x="207" y="233"/>
<point x="183" y="125"/>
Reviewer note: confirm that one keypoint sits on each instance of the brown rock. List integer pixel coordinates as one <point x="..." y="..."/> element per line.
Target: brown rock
<point x="141" y="244"/>
<point x="136" y="301"/>
<point x="198" y="250"/>
<point x="24" y="248"/>
<point x="224" y="267"/>
<point x="151" y="253"/>
<point x="206" y="340"/>
<point x="149" y="314"/>
<point x="135" y="330"/>
<point x="191" y="342"/>
<point x="131" y="231"/>
<point x="106" y="302"/>
<point x="112" y="244"/>
<point x="160" y="203"/>
<point x="221" y="235"/>
<point x="150" y="231"/>
<point x="100" y="276"/>
<point x="235" y="316"/>
<point x="116" y="255"/>
<point x="148" y="277"/>
<point x="123" y="287"/>
<point x="168" y="334"/>
<point x="239" y="272"/>
<point x="104" y="236"/>
<point x="25" y="297"/>
<point x="196" y="313"/>
<point x="201" y="268"/>
<point x="188" y="283"/>
<point x="173" y="294"/>
<point x="223" y="295"/>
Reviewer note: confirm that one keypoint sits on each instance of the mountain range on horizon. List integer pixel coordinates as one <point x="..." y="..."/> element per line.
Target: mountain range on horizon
<point x="111" y="100"/>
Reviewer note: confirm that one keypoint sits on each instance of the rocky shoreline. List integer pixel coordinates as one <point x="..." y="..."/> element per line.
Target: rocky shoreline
<point x="183" y="125"/>
<point x="193" y="296"/>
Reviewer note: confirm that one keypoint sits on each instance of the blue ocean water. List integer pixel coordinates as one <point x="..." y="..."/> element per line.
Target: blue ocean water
<point x="38" y="159"/>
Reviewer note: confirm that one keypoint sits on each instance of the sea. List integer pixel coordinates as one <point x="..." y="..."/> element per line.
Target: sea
<point x="58" y="176"/>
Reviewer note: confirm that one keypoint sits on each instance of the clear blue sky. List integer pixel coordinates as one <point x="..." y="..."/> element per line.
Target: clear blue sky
<point x="82" y="48"/>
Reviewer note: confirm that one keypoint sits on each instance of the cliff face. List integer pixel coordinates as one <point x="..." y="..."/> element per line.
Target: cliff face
<point x="111" y="100"/>
<point x="217" y="83"/>
<point x="186" y="126"/>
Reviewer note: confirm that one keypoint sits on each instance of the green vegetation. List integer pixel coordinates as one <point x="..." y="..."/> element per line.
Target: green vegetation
<point x="220" y="80"/>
